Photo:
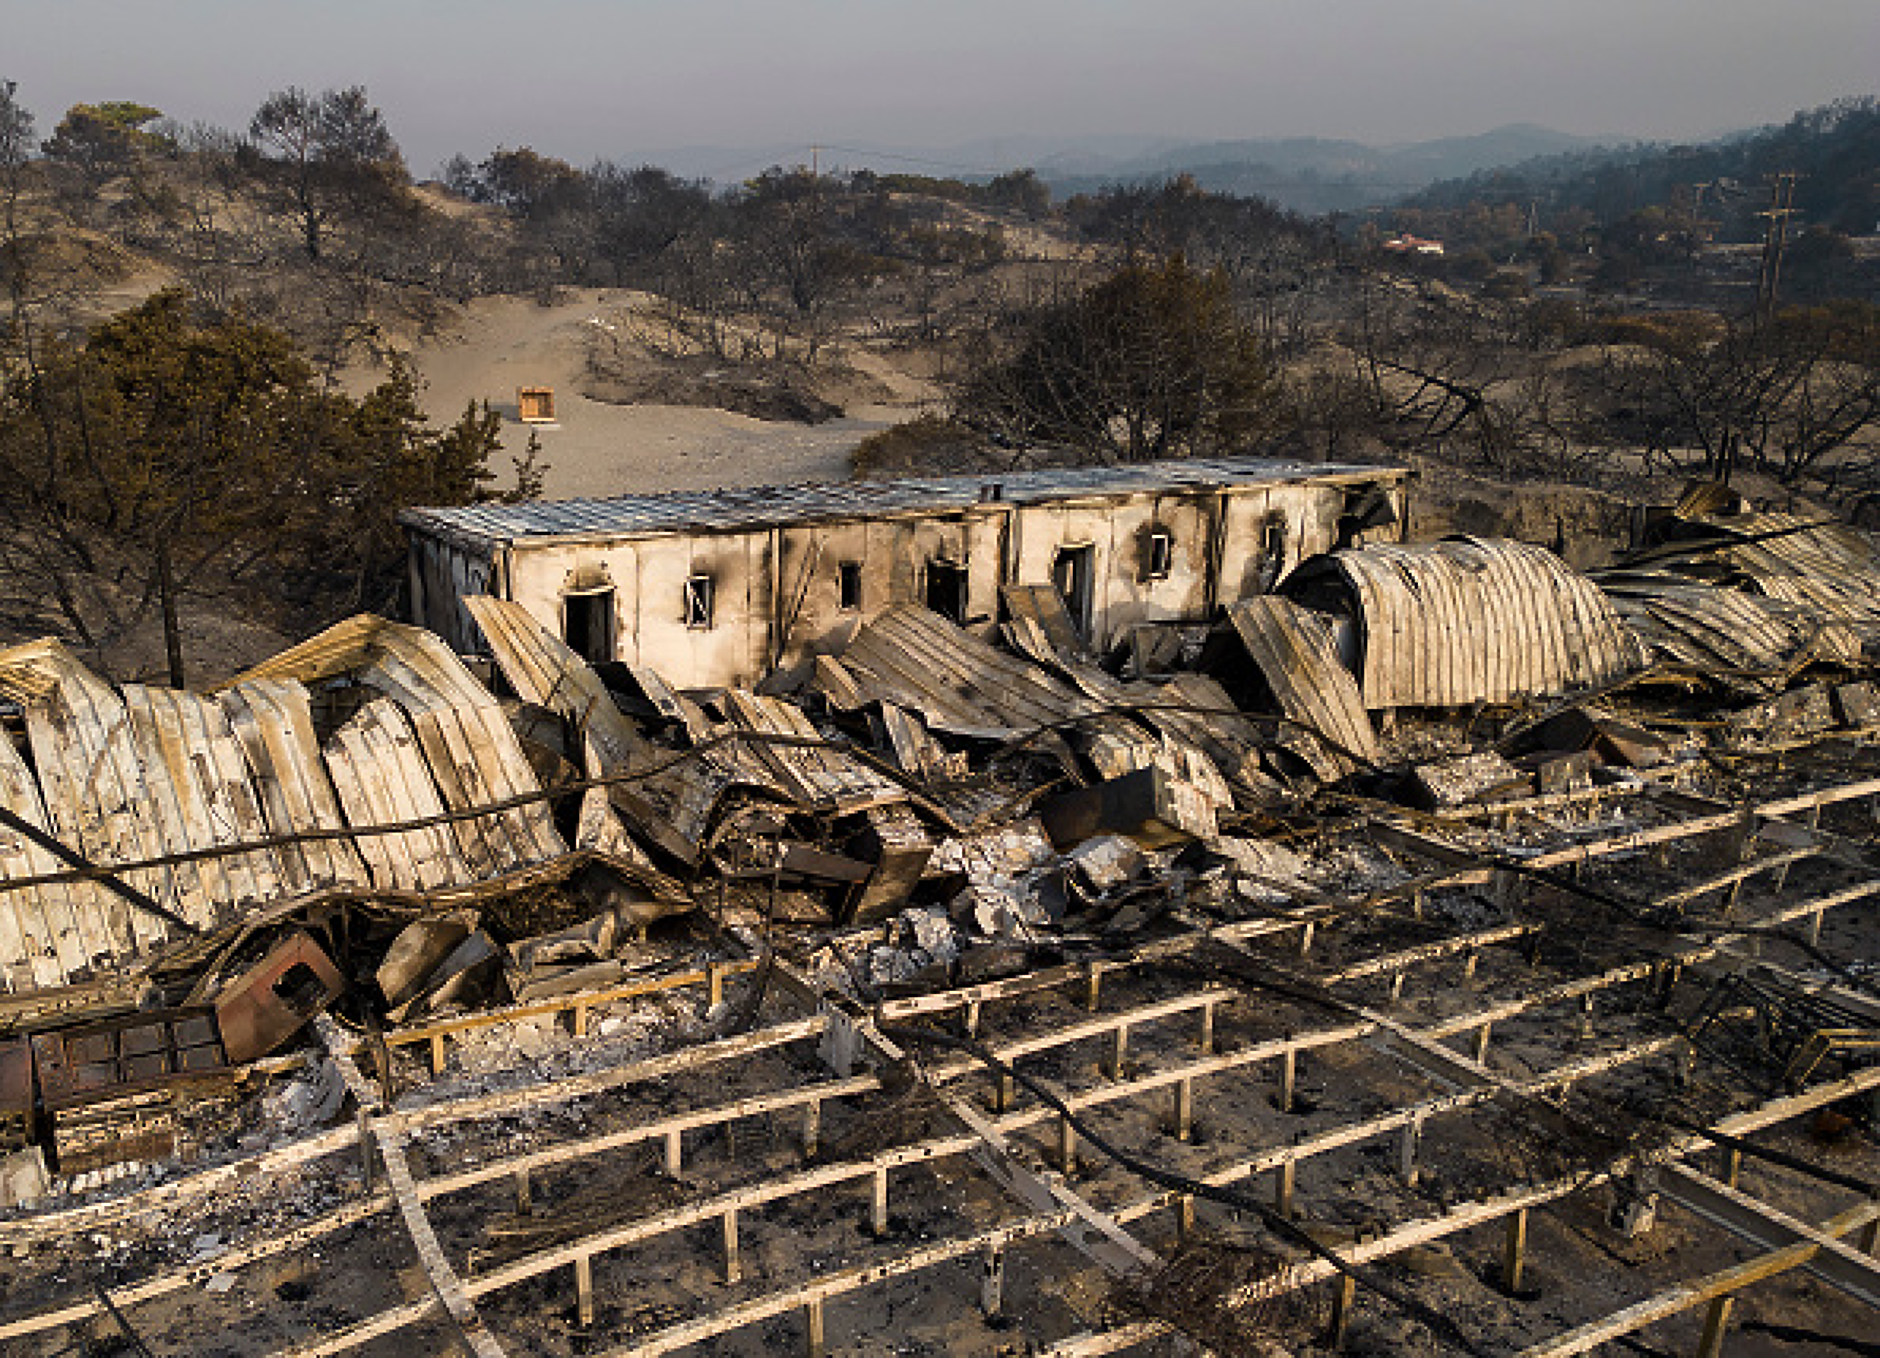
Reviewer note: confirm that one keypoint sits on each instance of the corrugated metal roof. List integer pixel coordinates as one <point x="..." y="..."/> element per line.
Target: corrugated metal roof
<point x="1293" y="648"/>
<point x="1467" y="620"/>
<point x="1727" y="633"/>
<point x="956" y="682"/>
<point x="1831" y="570"/>
<point x="772" y="506"/>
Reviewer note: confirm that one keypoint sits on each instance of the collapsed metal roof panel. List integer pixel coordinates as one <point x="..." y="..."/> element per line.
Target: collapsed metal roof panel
<point x="732" y="508"/>
<point x="1466" y="620"/>
<point x="956" y="682"/>
<point x="468" y="744"/>
<point x="1830" y="569"/>
<point x="1724" y="631"/>
<point x="1293" y="649"/>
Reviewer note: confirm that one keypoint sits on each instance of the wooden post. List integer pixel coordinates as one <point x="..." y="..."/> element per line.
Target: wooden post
<point x="1093" y="987"/>
<point x="1407" y="1150"/>
<point x="1305" y="937"/>
<point x="1481" y="1043"/>
<point x="1288" y="1072"/>
<point x="1396" y="985"/>
<point x="1344" y="1293"/>
<point x="1003" y="1092"/>
<point x="1119" y="1050"/>
<point x="1514" y="1252"/>
<point x="675" y="1153"/>
<point x="584" y="1290"/>
<point x="1468" y="964"/>
<point x="972" y="1019"/>
<point x="813" y="1344"/>
<point x="1206" y="1039"/>
<point x="1586" y="1014"/>
<point x="715" y="984"/>
<point x="992" y="1282"/>
<point x="1715" y="1323"/>
<point x="1283" y="1183"/>
<point x="1185" y="1215"/>
<point x="812" y="1128"/>
<point x="1067" y="1145"/>
<point x="580" y="1020"/>
<point x="1416" y="903"/>
<point x="734" y="1269"/>
<point x="878" y="1207"/>
<point x="437" y="1054"/>
<point x="1813" y="932"/>
<point x="1732" y="1165"/>
<point x="365" y="1149"/>
<point x="1184" y="1109"/>
<point x="523" y="1203"/>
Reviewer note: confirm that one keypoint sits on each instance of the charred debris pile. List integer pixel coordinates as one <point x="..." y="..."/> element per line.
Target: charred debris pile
<point x="368" y="846"/>
<point x="366" y="824"/>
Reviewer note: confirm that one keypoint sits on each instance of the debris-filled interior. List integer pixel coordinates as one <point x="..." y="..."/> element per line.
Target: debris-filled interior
<point x="1445" y="952"/>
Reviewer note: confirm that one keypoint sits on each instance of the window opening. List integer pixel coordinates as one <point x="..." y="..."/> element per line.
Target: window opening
<point x="849" y="584"/>
<point x="699" y="598"/>
<point x="1272" y="551"/>
<point x="946" y="589"/>
<point x="1160" y="558"/>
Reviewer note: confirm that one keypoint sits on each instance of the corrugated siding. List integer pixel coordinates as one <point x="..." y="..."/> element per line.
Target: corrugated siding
<point x="1293" y="648"/>
<point x="471" y="749"/>
<point x="92" y="783"/>
<point x="43" y="934"/>
<point x="956" y="682"/>
<point x="200" y="791"/>
<point x="379" y="770"/>
<point x="1468" y="620"/>
<point x="273" y="720"/>
<point x="1714" y="629"/>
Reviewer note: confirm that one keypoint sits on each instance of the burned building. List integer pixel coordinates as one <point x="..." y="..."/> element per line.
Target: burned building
<point x="721" y="587"/>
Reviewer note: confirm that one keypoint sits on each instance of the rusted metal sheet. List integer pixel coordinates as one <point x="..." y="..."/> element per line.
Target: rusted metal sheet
<point x="1468" y="620"/>
<point x="1293" y="650"/>
<point x="916" y="658"/>
<point x="276" y="997"/>
<point x="273" y="720"/>
<point x="467" y="741"/>
<point x="1723" y="632"/>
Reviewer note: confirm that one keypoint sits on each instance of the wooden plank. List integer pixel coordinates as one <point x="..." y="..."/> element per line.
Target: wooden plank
<point x="1690" y="1295"/>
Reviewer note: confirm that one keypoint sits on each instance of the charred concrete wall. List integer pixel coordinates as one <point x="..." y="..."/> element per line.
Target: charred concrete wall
<point x="707" y="607"/>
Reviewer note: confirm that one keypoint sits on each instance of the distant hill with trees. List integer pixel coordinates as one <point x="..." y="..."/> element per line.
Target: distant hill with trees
<point x="1718" y="187"/>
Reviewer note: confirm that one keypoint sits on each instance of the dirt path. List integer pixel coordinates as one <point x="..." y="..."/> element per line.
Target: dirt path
<point x="597" y="448"/>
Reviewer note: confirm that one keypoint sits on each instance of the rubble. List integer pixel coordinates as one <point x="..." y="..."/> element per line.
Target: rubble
<point x="1277" y="875"/>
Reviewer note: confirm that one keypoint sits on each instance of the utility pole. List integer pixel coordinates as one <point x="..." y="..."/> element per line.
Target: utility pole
<point x="1769" y="272"/>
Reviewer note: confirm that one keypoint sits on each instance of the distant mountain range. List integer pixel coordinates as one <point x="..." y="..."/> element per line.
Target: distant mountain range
<point x="1307" y="174"/>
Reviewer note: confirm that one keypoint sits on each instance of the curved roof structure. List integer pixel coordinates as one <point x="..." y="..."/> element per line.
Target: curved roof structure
<point x="1466" y="620"/>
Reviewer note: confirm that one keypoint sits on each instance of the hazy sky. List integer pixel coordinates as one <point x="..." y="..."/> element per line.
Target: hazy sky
<point x="587" y="78"/>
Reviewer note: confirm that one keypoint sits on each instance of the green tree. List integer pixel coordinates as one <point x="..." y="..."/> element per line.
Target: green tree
<point x="172" y="454"/>
<point x="1152" y="362"/>
<point x="98" y="141"/>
